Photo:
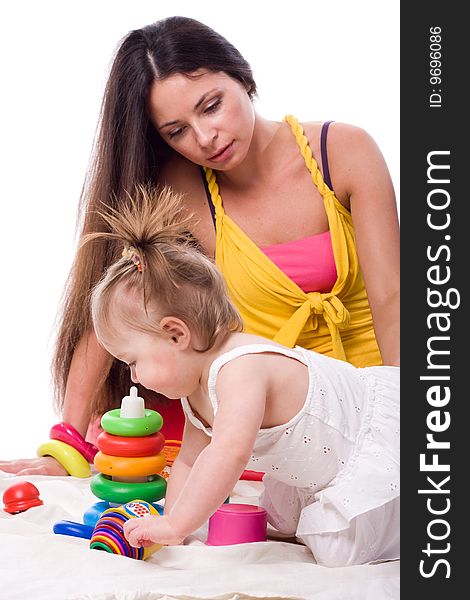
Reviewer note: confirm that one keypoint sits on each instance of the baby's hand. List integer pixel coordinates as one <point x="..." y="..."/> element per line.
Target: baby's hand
<point x="152" y="529"/>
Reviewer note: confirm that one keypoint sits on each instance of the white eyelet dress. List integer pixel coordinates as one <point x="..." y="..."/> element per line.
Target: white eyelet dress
<point x="332" y="471"/>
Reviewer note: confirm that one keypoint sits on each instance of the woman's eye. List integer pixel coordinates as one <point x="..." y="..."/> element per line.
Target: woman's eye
<point x="213" y="107"/>
<point x="175" y="133"/>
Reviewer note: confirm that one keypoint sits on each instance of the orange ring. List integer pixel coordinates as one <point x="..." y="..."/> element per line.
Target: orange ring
<point x="171" y="450"/>
<point x="119" y="445"/>
<point x="138" y="466"/>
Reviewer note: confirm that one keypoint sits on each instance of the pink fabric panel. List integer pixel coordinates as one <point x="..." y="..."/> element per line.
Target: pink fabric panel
<point x="309" y="262"/>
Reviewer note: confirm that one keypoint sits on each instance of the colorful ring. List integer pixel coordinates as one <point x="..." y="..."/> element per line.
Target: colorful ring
<point x="72" y="461"/>
<point x="116" y="445"/>
<point x="73" y="529"/>
<point x="124" y="466"/>
<point x="64" y="432"/>
<point x="105" y="542"/>
<point x="102" y="486"/>
<point x="108" y="533"/>
<point x="112" y="422"/>
<point x="171" y="450"/>
<point x="94" y="512"/>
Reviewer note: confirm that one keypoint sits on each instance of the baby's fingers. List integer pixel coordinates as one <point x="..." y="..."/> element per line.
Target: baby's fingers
<point x="131" y="532"/>
<point x="130" y="525"/>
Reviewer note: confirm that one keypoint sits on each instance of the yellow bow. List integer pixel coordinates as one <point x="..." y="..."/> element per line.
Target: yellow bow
<point x="334" y="312"/>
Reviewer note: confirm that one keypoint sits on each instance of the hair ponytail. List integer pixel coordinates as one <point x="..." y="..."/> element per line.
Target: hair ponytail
<point x="160" y="268"/>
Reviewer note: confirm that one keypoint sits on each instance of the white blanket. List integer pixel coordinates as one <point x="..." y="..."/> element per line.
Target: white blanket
<point x="36" y="563"/>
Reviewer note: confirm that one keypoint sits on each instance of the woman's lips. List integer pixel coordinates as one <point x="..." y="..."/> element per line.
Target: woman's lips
<point x="223" y="154"/>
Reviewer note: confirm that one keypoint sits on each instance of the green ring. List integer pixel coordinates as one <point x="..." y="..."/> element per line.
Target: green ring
<point x="113" y="423"/>
<point x="100" y="546"/>
<point x="121" y="492"/>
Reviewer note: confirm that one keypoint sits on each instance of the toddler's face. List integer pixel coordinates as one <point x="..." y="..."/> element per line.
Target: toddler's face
<point x="155" y="361"/>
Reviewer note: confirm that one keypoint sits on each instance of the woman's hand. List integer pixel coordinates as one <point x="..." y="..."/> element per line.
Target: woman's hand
<point x="146" y="531"/>
<point x="46" y="465"/>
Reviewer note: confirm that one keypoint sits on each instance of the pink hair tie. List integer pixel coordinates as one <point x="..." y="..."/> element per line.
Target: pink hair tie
<point x="64" y="432"/>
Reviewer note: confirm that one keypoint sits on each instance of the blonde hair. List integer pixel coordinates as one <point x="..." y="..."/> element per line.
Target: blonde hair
<point x="162" y="270"/>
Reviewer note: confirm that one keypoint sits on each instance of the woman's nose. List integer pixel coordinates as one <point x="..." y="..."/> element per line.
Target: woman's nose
<point x="205" y="135"/>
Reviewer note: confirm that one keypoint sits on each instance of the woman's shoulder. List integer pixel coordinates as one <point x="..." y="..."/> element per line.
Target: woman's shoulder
<point x="350" y="150"/>
<point x="343" y="140"/>
<point x="338" y="132"/>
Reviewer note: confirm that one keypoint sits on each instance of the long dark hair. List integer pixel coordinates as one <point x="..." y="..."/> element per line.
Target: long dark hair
<point x="127" y="152"/>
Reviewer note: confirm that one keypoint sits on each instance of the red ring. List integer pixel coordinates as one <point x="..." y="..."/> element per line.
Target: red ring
<point x="119" y="445"/>
<point x="64" y="432"/>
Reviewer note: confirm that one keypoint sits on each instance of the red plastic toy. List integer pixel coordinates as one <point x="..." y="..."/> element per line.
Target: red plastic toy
<point x="21" y="496"/>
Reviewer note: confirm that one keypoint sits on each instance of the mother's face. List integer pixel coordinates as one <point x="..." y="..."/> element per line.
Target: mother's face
<point x="206" y="117"/>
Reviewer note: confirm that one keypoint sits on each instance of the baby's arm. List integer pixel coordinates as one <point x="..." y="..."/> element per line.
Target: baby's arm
<point x="241" y="389"/>
<point x="194" y="441"/>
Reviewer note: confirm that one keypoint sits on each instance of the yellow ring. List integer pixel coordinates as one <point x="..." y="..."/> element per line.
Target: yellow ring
<point x="72" y="461"/>
<point x="126" y="466"/>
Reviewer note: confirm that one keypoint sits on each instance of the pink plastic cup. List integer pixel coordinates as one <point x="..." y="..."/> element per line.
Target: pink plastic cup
<point x="237" y="524"/>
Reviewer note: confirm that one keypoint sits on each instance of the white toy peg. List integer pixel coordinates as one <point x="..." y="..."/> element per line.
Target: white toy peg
<point x="132" y="406"/>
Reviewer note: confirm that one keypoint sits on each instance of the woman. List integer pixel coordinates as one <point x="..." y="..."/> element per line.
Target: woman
<point x="303" y="264"/>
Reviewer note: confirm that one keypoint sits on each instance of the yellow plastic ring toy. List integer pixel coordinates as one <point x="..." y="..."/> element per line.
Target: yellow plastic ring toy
<point x="72" y="461"/>
<point x="102" y="486"/>
<point x="124" y="466"/>
<point x="113" y="423"/>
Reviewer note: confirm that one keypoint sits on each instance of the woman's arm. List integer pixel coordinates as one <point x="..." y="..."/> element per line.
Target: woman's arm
<point x="194" y="441"/>
<point x="362" y="182"/>
<point x="88" y="364"/>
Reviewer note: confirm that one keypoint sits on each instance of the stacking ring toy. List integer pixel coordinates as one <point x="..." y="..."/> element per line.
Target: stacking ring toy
<point x="116" y="445"/>
<point x="120" y="492"/>
<point x="73" y="529"/>
<point x="64" y="432"/>
<point x="94" y="512"/>
<point x="112" y="422"/>
<point x="171" y="450"/>
<point x="237" y="524"/>
<point x="125" y="466"/>
<point x="72" y="461"/>
<point x="108" y="534"/>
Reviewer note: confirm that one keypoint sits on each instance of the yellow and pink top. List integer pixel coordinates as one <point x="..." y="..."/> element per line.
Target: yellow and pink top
<point x="335" y="321"/>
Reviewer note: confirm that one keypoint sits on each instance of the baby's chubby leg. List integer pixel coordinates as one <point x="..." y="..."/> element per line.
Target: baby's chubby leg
<point x="372" y="536"/>
<point x="283" y="504"/>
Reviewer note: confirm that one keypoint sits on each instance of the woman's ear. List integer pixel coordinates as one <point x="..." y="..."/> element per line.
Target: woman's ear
<point x="177" y="331"/>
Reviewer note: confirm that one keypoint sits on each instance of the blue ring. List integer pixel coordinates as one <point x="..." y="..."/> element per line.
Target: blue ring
<point x="73" y="529"/>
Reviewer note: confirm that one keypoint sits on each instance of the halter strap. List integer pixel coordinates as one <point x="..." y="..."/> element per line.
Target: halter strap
<point x="324" y="153"/>
<point x="306" y="152"/>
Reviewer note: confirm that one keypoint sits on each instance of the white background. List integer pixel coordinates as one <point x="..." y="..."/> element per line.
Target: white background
<point x="316" y="59"/>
